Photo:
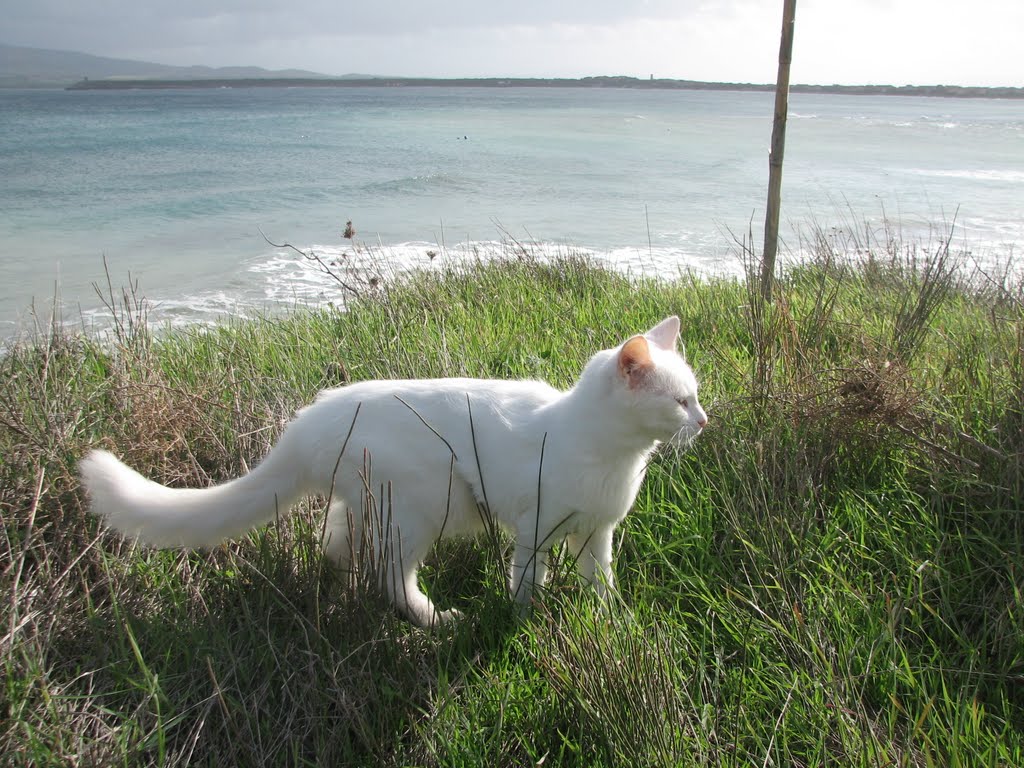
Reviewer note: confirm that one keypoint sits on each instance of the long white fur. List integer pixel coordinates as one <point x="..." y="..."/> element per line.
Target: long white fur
<point x="422" y="455"/>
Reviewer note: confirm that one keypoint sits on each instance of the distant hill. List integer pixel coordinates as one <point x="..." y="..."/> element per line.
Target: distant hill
<point x="40" y="68"/>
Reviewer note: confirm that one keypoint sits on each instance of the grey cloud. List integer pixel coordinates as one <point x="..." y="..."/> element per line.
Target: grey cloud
<point x="111" y="25"/>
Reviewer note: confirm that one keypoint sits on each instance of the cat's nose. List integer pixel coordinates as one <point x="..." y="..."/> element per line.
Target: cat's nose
<point x="702" y="422"/>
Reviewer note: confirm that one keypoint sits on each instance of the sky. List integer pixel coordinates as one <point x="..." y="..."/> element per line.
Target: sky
<point x="921" y="42"/>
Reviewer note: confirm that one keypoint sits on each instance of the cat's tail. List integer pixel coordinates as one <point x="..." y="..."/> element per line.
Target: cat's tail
<point x="188" y="517"/>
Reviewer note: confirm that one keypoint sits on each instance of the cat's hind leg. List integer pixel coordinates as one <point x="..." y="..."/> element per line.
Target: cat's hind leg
<point x="342" y="535"/>
<point x="354" y="543"/>
<point x="410" y="600"/>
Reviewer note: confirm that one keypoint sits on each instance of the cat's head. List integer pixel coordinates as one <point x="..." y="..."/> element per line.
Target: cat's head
<point x="657" y="387"/>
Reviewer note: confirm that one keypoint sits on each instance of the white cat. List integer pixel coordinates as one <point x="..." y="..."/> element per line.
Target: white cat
<point x="421" y="459"/>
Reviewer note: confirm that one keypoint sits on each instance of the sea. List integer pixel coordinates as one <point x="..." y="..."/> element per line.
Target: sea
<point x="191" y="199"/>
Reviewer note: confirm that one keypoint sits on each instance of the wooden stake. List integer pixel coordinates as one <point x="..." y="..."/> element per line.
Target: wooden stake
<point x="771" y="219"/>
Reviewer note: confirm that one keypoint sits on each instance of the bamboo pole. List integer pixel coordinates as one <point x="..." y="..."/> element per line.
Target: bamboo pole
<point x="771" y="219"/>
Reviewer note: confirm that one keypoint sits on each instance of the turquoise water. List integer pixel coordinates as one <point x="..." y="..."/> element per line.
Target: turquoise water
<point x="172" y="188"/>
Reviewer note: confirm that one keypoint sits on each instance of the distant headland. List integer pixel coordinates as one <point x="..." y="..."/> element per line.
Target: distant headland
<point x="944" y="91"/>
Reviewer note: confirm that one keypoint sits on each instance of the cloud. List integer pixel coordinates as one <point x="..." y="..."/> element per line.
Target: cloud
<point x="110" y="24"/>
<point x="902" y="41"/>
<point x="910" y="41"/>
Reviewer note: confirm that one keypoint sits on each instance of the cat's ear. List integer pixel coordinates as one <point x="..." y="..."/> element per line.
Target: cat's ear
<point x="635" y="361"/>
<point x="665" y="334"/>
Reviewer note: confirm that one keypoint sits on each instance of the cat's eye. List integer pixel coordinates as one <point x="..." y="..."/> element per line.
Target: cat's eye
<point x="683" y="402"/>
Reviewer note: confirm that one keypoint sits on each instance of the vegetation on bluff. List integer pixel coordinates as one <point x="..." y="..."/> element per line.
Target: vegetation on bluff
<point x="831" y="574"/>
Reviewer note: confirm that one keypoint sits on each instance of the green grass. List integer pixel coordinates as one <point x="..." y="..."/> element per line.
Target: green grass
<point x="832" y="574"/>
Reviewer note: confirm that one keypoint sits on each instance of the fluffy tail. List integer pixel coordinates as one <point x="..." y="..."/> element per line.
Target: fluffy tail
<point x="186" y="517"/>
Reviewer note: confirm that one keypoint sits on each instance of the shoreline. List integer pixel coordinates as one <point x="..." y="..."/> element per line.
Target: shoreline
<point x="940" y="91"/>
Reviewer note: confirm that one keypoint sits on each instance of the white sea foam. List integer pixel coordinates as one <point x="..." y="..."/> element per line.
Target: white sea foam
<point x="286" y="278"/>
<point x="328" y="275"/>
<point x="980" y="174"/>
<point x="204" y="308"/>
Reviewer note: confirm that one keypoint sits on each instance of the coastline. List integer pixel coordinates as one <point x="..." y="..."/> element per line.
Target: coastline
<point x="940" y="91"/>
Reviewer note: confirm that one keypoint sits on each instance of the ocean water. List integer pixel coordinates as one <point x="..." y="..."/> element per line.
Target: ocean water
<point x="171" y="190"/>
